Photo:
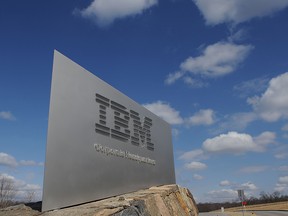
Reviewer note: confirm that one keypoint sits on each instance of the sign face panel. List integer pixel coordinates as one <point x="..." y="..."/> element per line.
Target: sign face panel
<point x="241" y="195"/>
<point x="100" y="143"/>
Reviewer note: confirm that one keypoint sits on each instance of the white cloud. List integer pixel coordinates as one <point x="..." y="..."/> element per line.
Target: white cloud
<point x="197" y="154"/>
<point x="165" y="111"/>
<point x="191" y="82"/>
<point x="217" y="59"/>
<point x="197" y="177"/>
<point x="283" y="180"/>
<point x="10" y="161"/>
<point x="253" y="86"/>
<point x="265" y="138"/>
<point x="236" y="143"/>
<point x="7" y="115"/>
<point x="6" y="176"/>
<point x="175" y="132"/>
<point x="272" y="105"/>
<point x="105" y="12"/>
<point x="29" y="163"/>
<point x="237" y="11"/>
<point x="282" y="185"/>
<point x="172" y="77"/>
<point x="254" y="169"/>
<point x="202" y="117"/>
<point x="7" y="160"/>
<point x="283" y="168"/>
<point x="237" y="35"/>
<point x="41" y="164"/>
<point x="285" y="127"/>
<point x="195" y="166"/>
<point x="281" y="152"/>
<point x="232" y="142"/>
<point x="172" y="116"/>
<point x="248" y="186"/>
<point x="194" y="83"/>
<point x="281" y="155"/>
<point x="231" y="194"/>
<point x="225" y="183"/>
<point x="237" y="121"/>
<point x="281" y="188"/>
<point x="222" y="195"/>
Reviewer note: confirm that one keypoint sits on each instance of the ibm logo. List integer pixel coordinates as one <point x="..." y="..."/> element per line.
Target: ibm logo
<point x="139" y="134"/>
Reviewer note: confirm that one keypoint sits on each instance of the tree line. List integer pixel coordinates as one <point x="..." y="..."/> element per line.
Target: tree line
<point x="8" y="193"/>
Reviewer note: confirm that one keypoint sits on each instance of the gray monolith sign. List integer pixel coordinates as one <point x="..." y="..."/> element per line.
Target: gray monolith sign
<point x="100" y="143"/>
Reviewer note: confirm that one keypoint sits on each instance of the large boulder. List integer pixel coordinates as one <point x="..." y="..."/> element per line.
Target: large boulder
<point x="163" y="200"/>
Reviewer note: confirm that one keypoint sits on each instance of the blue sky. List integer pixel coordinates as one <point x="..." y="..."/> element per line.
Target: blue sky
<point x="216" y="70"/>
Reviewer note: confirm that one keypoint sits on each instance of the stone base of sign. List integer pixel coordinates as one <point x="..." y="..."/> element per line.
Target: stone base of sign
<point x="163" y="200"/>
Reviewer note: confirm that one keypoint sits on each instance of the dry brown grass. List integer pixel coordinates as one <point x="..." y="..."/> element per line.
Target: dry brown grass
<point x="262" y="207"/>
<point x="240" y="214"/>
<point x="230" y="213"/>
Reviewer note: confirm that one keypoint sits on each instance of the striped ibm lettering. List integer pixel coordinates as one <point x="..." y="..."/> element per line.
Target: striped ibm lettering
<point x="127" y="124"/>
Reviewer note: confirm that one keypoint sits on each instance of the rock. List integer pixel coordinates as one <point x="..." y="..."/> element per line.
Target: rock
<point x="19" y="210"/>
<point x="167" y="200"/>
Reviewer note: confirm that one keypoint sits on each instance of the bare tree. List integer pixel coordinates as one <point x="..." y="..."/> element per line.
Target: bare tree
<point x="30" y="196"/>
<point x="7" y="191"/>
